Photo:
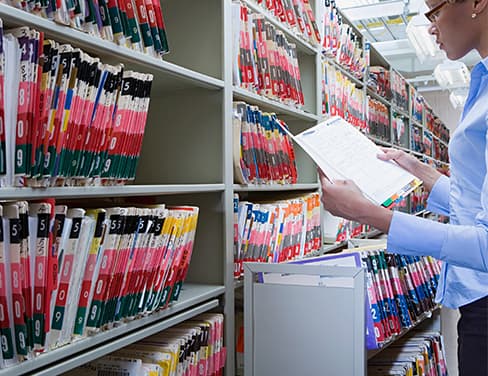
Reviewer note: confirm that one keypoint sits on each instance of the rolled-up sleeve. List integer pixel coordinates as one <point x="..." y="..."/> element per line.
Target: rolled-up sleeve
<point x="465" y="246"/>
<point x="438" y="200"/>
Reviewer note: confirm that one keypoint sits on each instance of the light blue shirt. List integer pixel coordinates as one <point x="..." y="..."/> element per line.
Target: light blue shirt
<point x="463" y="243"/>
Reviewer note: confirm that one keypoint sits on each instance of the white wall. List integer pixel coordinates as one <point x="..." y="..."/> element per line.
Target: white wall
<point x="441" y="105"/>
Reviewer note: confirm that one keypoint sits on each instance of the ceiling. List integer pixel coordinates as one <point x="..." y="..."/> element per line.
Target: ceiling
<point x="387" y="33"/>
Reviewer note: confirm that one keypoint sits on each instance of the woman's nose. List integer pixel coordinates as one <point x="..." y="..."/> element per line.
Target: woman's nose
<point x="432" y="29"/>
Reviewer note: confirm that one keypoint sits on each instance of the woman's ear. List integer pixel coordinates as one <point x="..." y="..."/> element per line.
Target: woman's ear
<point x="479" y="6"/>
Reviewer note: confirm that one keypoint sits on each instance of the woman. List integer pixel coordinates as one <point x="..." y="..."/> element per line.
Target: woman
<point x="459" y="27"/>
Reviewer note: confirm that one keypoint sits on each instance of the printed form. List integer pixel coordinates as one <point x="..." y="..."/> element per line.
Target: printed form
<point x="341" y="151"/>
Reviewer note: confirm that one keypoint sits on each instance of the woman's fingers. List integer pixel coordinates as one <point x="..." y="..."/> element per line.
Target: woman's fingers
<point x="389" y="154"/>
<point x="323" y="179"/>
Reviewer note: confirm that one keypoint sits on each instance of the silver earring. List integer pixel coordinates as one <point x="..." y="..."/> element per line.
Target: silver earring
<point x="473" y="15"/>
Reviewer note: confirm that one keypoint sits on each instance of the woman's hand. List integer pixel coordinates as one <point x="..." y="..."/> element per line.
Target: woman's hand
<point x="408" y="162"/>
<point x="343" y="198"/>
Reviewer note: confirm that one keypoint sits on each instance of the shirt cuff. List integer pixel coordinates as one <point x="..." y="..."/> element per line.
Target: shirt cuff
<point x="438" y="200"/>
<point x="415" y="236"/>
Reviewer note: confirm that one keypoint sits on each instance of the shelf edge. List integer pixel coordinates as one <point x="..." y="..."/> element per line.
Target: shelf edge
<point x="275" y="187"/>
<point x="280" y="108"/>
<point x="108" y="191"/>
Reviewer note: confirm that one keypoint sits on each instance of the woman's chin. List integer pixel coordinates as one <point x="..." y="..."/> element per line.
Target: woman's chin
<point x="453" y="55"/>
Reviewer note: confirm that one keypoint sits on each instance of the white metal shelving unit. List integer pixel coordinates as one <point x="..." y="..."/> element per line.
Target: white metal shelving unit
<point x="297" y="119"/>
<point x="182" y="162"/>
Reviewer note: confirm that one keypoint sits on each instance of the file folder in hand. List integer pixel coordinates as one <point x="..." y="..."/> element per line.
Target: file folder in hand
<point x="341" y="151"/>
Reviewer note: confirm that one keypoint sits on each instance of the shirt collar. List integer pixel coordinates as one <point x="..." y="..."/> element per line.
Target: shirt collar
<point x="484" y="63"/>
<point x="478" y="71"/>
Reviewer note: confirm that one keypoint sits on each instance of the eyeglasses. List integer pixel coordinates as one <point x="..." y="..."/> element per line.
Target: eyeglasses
<point x="433" y="14"/>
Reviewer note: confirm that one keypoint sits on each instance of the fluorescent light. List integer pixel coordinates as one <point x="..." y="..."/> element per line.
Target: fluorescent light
<point x="452" y="74"/>
<point x="458" y="97"/>
<point x="378" y="9"/>
<point x="422" y="42"/>
<point x="396" y="48"/>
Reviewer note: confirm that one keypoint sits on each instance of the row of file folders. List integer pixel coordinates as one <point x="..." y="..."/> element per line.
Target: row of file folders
<point x="276" y="231"/>
<point x="263" y="151"/>
<point x="194" y="347"/>
<point x="263" y="59"/>
<point x="68" y="118"/>
<point x="421" y="354"/>
<point x="297" y="15"/>
<point x="66" y="273"/>
<point x="400" y="289"/>
<point x="136" y="24"/>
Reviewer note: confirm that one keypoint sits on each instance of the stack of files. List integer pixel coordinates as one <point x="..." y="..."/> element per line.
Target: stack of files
<point x="340" y="42"/>
<point x="263" y="152"/>
<point x="86" y="270"/>
<point x="263" y="60"/>
<point x="349" y="230"/>
<point x="400" y="289"/>
<point x="297" y="15"/>
<point x="275" y="231"/>
<point x="417" y="105"/>
<point x="68" y="118"/>
<point x="378" y="120"/>
<point x="399" y="91"/>
<point x="441" y="131"/>
<point x="194" y="347"/>
<point x="416" y="139"/>
<point x="429" y="118"/>
<point x="379" y="81"/>
<point x="399" y="125"/>
<point x="443" y="153"/>
<point x="436" y="149"/>
<point x="239" y="342"/>
<point x="427" y="140"/>
<point x="421" y="354"/>
<point x="419" y="199"/>
<point x="338" y="230"/>
<point x="136" y="24"/>
<point x="341" y="97"/>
